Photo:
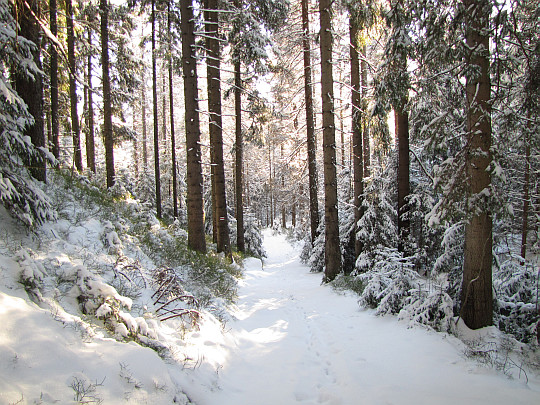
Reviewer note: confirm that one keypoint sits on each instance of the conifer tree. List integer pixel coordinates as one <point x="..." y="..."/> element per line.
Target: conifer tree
<point x="476" y="290"/>
<point x="171" y="113"/>
<point x="196" y="238"/>
<point x="55" y="128"/>
<point x="75" y="128"/>
<point x="310" y="125"/>
<point x="213" y="59"/>
<point x="157" y="174"/>
<point x="107" y="107"/>
<point x="332" y="246"/>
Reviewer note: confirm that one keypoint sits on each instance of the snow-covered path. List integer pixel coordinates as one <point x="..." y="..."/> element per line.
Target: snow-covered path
<point x="297" y="342"/>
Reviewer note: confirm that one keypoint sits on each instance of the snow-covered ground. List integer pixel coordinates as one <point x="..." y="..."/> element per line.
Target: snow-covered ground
<point x="290" y="340"/>
<point x="297" y="342"/>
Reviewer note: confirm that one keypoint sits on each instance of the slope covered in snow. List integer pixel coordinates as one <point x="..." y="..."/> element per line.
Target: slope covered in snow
<point x="288" y="339"/>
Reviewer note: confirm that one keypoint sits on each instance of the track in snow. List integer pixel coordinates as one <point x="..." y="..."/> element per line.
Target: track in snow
<point x="297" y="342"/>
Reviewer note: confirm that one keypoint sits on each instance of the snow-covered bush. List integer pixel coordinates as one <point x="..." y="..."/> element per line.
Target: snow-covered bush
<point x="516" y="309"/>
<point x="450" y="261"/>
<point x="388" y="283"/>
<point x="314" y="256"/>
<point x="170" y="298"/>
<point x="110" y="238"/>
<point x="252" y="235"/>
<point x="433" y="309"/>
<point x="102" y="300"/>
<point x="424" y="241"/>
<point x="32" y="273"/>
<point x="346" y="222"/>
<point x="377" y="228"/>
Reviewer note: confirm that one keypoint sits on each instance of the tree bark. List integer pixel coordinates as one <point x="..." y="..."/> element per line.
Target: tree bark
<point x="31" y="90"/>
<point x="476" y="291"/>
<point x="144" y="135"/>
<point x="402" y="132"/>
<point x="107" y="109"/>
<point x="365" y="132"/>
<point x="55" y="127"/>
<point x="240" y="242"/>
<point x="90" y="141"/>
<point x="216" y="127"/>
<point x="75" y="129"/>
<point x="171" y="108"/>
<point x="332" y="247"/>
<point x="358" y="163"/>
<point x="310" y="126"/>
<point x="157" y="175"/>
<point x="526" y="192"/>
<point x="196" y="237"/>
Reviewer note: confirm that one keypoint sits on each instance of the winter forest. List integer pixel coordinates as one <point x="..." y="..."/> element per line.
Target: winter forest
<point x="229" y="201"/>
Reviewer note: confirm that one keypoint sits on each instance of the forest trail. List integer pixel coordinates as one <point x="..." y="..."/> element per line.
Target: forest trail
<point x="297" y="342"/>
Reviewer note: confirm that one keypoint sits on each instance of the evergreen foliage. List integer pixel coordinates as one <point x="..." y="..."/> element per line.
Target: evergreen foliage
<point x="20" y="193"/>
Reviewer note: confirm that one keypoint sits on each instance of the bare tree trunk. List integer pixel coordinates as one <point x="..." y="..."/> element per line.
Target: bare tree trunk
<point x="358" y="167"/>
<point x="144" y="135"/>
<point x="76" y="132"/>
<point x="476" y="290"/>
<point x="365" y="133"/>
<point x="157" y="174"/>
<point x="107" y="110"/>
<point x="216" y="127"/>
<point x="526" y="196"/>
<point x="332" y="247"/>
<point x="196" y="237"/>
<point x="402" y="132"/>
<point x="171" y="108"/>
<point x="310" y="126"/>
<point x="90" y="141"/>
<point x="240" y="242"/>
<point x="55" y="128"/>
<point x="31" y="91"/>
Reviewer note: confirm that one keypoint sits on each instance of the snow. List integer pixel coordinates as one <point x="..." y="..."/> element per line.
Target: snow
<point x="289" y="340"/>
<point x="296" y="341"/>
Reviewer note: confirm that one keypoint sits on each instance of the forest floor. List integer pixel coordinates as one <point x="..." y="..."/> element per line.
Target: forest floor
<point x="288" y="339"/>
<point x="294" y="341"/>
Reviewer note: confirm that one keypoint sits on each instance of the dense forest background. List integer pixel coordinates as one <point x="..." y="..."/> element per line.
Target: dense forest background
<point x="400" y="136"/>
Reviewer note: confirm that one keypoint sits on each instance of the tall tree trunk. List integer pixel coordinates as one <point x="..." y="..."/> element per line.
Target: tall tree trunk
<point x="90" y="142"/>
<point x="310" y="126"/>
<point x="332" y="247"/>
<point x="196" y="238"/>
<point x="365" y="133"/>
<point x="55" y="127"/>
<point x="157" y="175"/>
<point x="402" y="132"/>
<point x="476" y="290"/>
<point x="136" y="151"/>
<point x="216" y="125"/>
<point x="171" y="108"/>
<point x="107" y="108"/>
<point x="526" y="189"/>
<point x="31" y="90"/>
<point x="358" y="163"/>
<point x="76" y="132"/>
<point x="144" y="135"/>
<point x="240" y="242"/>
